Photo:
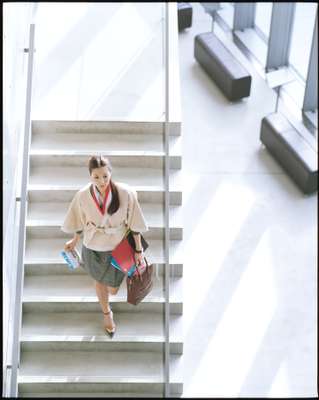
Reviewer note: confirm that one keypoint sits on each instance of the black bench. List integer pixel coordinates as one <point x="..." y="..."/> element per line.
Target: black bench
<point x="184" y="14"/>
<point x="291" y="150"/>
<point x="228" y="74"/>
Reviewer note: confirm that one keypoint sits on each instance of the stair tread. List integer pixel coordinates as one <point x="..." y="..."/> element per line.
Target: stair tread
<point x="90" y="394"/>
<point x="95" y="366"/>
<point x="53" y="213"/>
<point x="105" y="127"/>
<point x="48" y="250"/>
<point x="97" y="142"/>
<point x="119" y="159"/>
<point x="71" y="326"/>
<point x="55" y="287"/>
<point x="77" y="176"/>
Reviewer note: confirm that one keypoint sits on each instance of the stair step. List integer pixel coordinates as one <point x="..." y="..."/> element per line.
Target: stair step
<point x="129" y="159"/>
<point x="74" y="293"/>
<point x="52" y="229"/>
<point x="96" y="371"/>
<point x="84" y="331"/>
<point x="59" y="267"/>
<point x="45" y="213"/>
<point x="130" y="327"/>
<point x="47" y="250"/>
<point x="90" y="304"/>
<point x="45" y="219"/>
<point x="105" y="127"/>
<point x="65" y="193"/>
<point x="79" y="176"/>
<point x="56" y="286"/>
<point x="98" y="343"/>
<point x="98" y="394"/>
<point x="139" y="143"/>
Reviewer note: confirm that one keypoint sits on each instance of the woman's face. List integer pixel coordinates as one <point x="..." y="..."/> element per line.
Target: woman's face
<point x="101" y="177"/>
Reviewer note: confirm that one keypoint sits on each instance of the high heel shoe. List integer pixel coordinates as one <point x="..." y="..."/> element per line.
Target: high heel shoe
<point x="110" y="332"/>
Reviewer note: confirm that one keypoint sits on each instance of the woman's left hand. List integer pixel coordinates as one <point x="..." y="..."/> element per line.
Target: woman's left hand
<point x="139" y="259"/>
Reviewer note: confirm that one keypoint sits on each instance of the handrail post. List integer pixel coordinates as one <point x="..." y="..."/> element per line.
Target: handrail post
<point x="166" y="208"/>
<point x="17" y="322"/>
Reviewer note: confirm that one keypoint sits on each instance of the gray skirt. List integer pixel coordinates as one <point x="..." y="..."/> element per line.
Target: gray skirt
<point x="98" y="265"/>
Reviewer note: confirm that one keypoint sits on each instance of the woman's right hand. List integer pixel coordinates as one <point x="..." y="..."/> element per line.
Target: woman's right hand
<point x="70" y="245"/>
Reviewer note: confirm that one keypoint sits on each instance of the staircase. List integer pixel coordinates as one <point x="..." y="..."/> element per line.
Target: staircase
<point x="64" y="351"/>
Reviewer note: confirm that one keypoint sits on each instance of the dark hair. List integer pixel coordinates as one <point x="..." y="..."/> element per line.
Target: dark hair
<point x="98" y="162"/>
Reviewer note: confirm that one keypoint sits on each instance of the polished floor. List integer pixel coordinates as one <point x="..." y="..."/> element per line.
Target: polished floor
<point x="250" y="235"/>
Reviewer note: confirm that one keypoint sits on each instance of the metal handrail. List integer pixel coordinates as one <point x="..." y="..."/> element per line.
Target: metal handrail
<point x="22" y="199"/>
<point x="166" y="209"/>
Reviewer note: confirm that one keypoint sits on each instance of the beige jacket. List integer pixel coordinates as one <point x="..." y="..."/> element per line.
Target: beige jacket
<point x="104" y="232"/>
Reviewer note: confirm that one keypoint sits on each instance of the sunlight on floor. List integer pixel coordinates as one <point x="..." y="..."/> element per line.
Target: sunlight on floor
<point x="233" y="346"/>
<point x="218" y="227"/>
<point x="280" y="386"/>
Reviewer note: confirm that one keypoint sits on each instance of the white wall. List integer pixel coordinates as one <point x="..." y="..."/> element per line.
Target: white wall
<point x="16" y="23"/>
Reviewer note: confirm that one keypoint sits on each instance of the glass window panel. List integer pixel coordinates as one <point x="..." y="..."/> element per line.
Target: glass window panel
<point x="227" y="13"/>
<point x="301" y="40"/>
<point x="263" y="17"/>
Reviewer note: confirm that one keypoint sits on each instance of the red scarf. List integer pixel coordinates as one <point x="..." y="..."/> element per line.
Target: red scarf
<point x="101" y="208"/>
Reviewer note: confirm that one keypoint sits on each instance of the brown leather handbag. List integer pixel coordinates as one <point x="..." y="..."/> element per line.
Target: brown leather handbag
<point x="140" y="284"/>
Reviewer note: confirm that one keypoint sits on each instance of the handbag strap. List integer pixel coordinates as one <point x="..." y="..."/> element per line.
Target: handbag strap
<point x="137" y="270"/>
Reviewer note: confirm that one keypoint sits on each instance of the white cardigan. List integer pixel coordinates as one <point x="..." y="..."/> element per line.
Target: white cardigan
<point x="104" y="232"/>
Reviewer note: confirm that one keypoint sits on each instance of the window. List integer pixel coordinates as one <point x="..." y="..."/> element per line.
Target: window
<point x="227" y="13"/>
<point x="304" y="20"/>
<point x="263" y="18"/>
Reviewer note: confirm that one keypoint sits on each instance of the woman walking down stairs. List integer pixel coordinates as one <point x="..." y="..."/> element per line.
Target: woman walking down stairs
<point x="64" y="348"/>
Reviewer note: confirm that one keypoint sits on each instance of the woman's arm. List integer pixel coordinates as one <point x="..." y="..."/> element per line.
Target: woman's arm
<point x="139" y="257"/>
<point x="137" y="239"/>
<point x="70" y="245"/>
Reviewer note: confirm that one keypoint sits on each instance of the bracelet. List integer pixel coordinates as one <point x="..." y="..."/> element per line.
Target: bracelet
<point x="139" y="251"/>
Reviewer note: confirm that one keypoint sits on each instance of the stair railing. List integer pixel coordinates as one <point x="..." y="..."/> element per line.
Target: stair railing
<point x="21" y="201"/>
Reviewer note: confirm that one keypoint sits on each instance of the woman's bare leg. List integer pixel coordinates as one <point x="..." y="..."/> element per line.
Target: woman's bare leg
<point x="102" y="292"/>
<point x="113" y="290"/>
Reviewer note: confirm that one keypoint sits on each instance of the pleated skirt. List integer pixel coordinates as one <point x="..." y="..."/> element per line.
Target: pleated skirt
<point x="98" y="265"/>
